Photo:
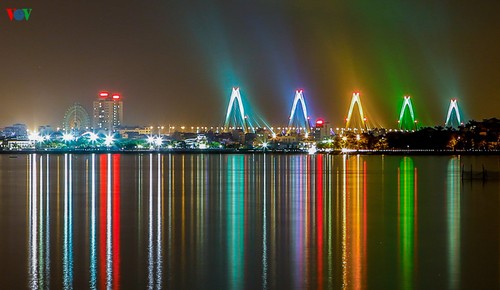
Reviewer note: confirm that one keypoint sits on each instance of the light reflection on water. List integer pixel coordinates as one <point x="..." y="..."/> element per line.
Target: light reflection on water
<point x="155" y="221"/>
<point x="407" y="220"/>
<point x="453" y="193"/>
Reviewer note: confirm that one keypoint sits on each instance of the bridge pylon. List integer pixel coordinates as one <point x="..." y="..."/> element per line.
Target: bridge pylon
<point x="235" y="115"/>
<point x="407" y="105"/>
<point x="453" y="108"/>
<point x="299" y="97"/>
<point x="356" y="101"/>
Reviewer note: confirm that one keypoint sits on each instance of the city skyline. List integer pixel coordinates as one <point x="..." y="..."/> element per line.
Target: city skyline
<point x="177" y="63"/>
<point x="298" y="117"/>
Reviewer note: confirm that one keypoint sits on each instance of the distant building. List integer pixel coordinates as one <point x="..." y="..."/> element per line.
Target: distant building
<point x="19" y="144"/>
<point x="288" y="139"/>
<point x="45" y="130"/>
<point x="108" y="112"/>
<point x="133" y="132"/>
<point x="18" y="131"/>
<point x="322" y="130"/>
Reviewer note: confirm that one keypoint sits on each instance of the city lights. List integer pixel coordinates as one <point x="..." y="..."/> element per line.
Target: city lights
<point x="243" y="135"/>
<point x="93" y="137"/>
<point x="151" y="140"/>
<point x="68" y="137"/>
<point x="158" y="141"/>
<point x="108" y="140"/>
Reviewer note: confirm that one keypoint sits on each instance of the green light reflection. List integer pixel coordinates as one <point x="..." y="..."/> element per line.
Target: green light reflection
<point x="235" y="220"/>
<point x="407" y="220"/>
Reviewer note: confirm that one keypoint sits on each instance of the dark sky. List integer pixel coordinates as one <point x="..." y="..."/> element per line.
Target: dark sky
<point x="176" y="61"/>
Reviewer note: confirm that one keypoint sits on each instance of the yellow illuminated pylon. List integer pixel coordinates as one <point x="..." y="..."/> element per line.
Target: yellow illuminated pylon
<point x="355" y="100"/>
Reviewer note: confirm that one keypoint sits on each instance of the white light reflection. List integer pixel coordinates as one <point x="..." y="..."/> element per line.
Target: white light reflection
<point x="68" y="225"/>
<point x="170" y="209"/>
<point x="39" y="226"/>
<point x="40" y="229"/>
<point x="33" y="223"/>
<point x="159" y="264"/>
<point x="264" y="230"/>
<point x="155" y="255"/>
<point x="150" y="226"/>
<point x="47" y="226"/>
<point x="93" y="246"/>
<point x="109" y="243"/>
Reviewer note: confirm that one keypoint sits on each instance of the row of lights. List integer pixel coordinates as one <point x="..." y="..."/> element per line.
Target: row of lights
<point x="68" y="137"/>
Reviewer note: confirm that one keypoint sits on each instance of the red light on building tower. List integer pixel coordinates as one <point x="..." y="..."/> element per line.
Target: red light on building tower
<point x="103" y="94"/>
<point x="116" y="96"/>
<point x="320" y="123"/>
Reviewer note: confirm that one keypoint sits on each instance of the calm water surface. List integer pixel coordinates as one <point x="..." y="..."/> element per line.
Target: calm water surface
<point x="156" y="221"/>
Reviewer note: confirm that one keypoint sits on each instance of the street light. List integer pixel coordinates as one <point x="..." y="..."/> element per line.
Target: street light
<point x="67" y="137"/>
<point x="108" y="140"/>
<point x="158" y="141"/>
<point x="159" y="130"/>
<point x="34" y="136"/>
<point x="93" y="137"/>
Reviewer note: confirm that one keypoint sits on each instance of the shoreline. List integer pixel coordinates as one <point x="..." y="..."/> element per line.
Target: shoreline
<point x="251" y="151"/>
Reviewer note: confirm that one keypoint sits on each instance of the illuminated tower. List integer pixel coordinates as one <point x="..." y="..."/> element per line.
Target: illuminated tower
<point x="238" y="119"/>
<point x="108" y="111"/>
<point x="407" y="125"/>
<point x="453" y="108"/>
<point x="355" y="100"/>
<point x="299" y="96"/>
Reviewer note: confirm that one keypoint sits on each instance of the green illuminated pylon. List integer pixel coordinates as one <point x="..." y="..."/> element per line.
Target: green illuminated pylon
<point x="407" y="105"/>
<point x="235" y="96"/>
<point x="299" y="96"/>
<point x="355" y="100"/>
<point x="453" y="107"/>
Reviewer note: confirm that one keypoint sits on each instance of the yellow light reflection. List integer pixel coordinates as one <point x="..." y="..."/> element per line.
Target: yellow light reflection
<point x="355" y="223"/>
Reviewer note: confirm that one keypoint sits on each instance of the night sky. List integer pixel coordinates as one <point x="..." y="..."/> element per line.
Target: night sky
<point x="175" y="62"/>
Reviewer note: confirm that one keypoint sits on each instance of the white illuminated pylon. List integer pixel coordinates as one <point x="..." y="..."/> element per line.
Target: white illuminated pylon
<point x="453" y="106"/>
<point x="235" y="95"/>
<point x="299" y="96"/>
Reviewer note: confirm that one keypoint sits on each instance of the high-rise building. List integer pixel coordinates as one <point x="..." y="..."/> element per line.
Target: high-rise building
<point x="108" y="111"/>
